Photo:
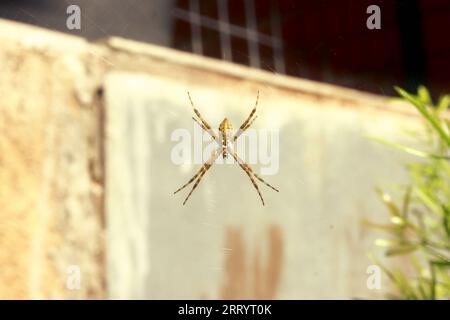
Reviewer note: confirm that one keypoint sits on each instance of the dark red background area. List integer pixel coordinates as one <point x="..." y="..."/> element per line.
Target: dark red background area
<point x="332" y="36"/>
<point x="329" y="41"/>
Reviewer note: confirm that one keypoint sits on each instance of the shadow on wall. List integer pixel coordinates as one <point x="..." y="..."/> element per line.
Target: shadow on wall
<point x="247" y="274"/>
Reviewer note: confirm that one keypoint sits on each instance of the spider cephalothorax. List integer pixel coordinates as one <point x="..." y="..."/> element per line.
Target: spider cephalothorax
<point x="225" y="140"/>
<point x="226" y="131"/>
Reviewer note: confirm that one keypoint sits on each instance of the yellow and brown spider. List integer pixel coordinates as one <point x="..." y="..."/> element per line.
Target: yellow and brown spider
<point x="226" y="140"/>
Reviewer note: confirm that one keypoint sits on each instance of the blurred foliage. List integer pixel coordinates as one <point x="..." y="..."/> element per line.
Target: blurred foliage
<point x="419" y="224"/>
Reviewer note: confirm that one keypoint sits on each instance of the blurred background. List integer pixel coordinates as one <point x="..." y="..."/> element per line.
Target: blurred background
<point x="87" y="122"/>
<point x="323" y="40"/>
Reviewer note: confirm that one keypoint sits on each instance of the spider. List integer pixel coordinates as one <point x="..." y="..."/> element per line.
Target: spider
<point x="226" y="140"/>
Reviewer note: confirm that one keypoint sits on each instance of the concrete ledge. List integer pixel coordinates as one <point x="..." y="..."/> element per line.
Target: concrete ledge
<point x="264" y="78"/>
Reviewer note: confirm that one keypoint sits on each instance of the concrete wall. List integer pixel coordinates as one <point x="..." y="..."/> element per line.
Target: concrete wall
<point x="85" y="151"/>
<point x="51" y="180"/>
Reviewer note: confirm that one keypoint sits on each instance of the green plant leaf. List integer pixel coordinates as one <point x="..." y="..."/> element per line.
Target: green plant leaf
<point x="384" y="227"/>
<point x="380" y="242"/>
<point x="420" y="221"/>
<point x="428" y="201"/>
<point x="424" y="95"/>
<point x="441" y="263"/>
<point x="446" y="220"/>
<point x="405" y="287"/>
<point x="406" y="201"/>
<point x="422" y="290"/>
<point x="409" y="150"/>
<point x="443" y="104"/>
<point x="425" y="112"/>
<point x="405" y="249"/>
<point x="386" y="198"/>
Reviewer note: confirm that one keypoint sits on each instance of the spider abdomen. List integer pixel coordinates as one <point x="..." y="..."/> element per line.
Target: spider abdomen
<point x="225" y="129"/>
<point x="224" y="150"/>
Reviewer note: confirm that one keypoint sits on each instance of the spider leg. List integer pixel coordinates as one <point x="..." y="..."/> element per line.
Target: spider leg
<point x="200" y="173"/>
<point x="205" y="126"/>
<point x="197" y="182"/>
<point x="244" y="125"/>
<point x="200" y="124"/>
<point x="252" y="171"/>
<point x="192" y="179"/>
<point x="248" y="173"/>
<point x="211" y="133"/>
<point x="237" y="135"/>
<point x="250" y="123"/>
